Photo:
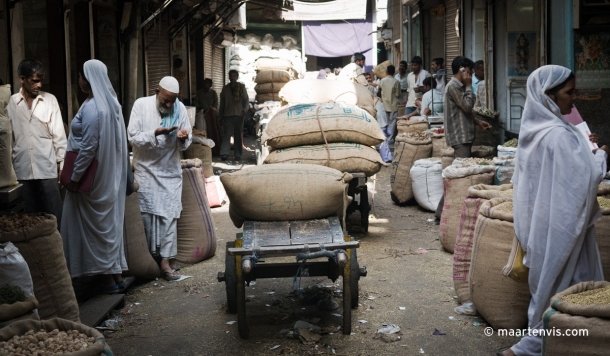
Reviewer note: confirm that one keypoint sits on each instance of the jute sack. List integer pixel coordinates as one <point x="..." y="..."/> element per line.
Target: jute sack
<point x="405" y="155"/>
<point x="19" y="328"/>
<point x="7" y="173"/>
<point x="438" y="145"/>
<point x="31" y="315"/>
<point x="284" y="191"/>
<point x="447" y="156"/>
<point x="261" y="98"/>
<point x="345" y="157"/>
<point x="269" y="88"/>
<point x="307" y="91"/>
<point x="42" y="248"/>
<point x="477" y="195"/>
<point x="483" y="152"/>
<point x="602" y="235"/>
<point x="500" y="300"/>
<point x="563" y="315"/>
<point x="427" y="178"/>
<point x="140" y="262"/>
<point x="272" y="76"/>
<point x="196" y="230"/>
<point x="264" y="63"/>
<point x="303" y="124"/>
<point x="603" y="189"/>
<point x="381" y="70"/>
<point x="202" y="152"/>
<point x="17" y="309"/>
<point x="457" y="181"/>
<point x="406" y="126"/>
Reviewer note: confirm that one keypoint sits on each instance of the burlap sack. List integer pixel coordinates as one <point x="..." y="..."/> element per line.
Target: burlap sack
<point x="140" y="262"/>
<point x="284" y="191"/>
<point x="405" y="155"/>
<point x="19" y="328"/>
<point x="447" y="156"/>
<point x="42" y="248"/>
<point x="17" y="309"/>
<point x="307" y="91"/>
<point x="500" y="300"/>
<point x="264" y="64"/>
<point x="7" y="173"/>
<point x="406" y="126"/>
<point x="31" y="315"/>
<point x="477" y="195"/>
<point x="261" y="98"/>
<point x="595" y="319"/>
<point x="272" y="76"/>
<point x="487" y="137"/>
<point x="381" y="70"/>
<point x="602" y="235"/>
<point x="483" y="151"/>
<point x="269" y="88"/>
<point x="438" y="145"/>
<point x="345" y="157"/>
<point x="603" y="189"/>
<point x="456" y="190"/>
<point x="196" y="230"/>
<point x="299" y="125"/>
<point x="202" y="152"/>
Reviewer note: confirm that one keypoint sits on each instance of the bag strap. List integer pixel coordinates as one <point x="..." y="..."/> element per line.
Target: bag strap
<point x="323" y="135"/>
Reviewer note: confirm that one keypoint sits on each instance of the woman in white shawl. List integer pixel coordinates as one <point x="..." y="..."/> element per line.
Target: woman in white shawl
<point x="93" y="228"/>
<point x="555" y="187"/>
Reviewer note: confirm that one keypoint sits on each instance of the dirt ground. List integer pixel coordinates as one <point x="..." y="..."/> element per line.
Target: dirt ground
<point x="411" y="290"/>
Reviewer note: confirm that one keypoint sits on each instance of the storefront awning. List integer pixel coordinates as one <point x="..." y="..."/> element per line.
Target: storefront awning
<point x="337" y="39"/>
<point x="325" y="11"/>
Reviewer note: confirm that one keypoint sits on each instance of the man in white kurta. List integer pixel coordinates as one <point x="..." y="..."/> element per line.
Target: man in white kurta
<point x="158" y="130"/>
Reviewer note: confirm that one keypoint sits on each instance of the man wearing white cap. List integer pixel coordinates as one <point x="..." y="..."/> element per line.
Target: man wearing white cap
<point x="158" y="130"/>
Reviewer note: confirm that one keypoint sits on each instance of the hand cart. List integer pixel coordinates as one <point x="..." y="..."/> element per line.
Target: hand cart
<point x="357" y="186"/>
<point x="308" y="240"/>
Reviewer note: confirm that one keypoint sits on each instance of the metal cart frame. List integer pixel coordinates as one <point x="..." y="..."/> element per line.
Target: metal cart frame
<point x="357" y="186"/>
<point x="308" y="239"/>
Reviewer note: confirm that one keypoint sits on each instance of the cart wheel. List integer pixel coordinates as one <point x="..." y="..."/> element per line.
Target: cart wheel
<point x="354" y="277"/>
<point x="231" y="279"/>
<point x="365" y="208"/>
<point x="242" y="322"/>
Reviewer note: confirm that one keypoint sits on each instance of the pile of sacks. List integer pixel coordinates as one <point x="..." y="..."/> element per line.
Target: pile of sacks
<point x="245" y="53"/>
<point x="335" y="135"/>
<point x="272" y="75"/>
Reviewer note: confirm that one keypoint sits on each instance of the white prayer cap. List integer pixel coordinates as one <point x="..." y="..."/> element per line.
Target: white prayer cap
<point x="170" y="84"/>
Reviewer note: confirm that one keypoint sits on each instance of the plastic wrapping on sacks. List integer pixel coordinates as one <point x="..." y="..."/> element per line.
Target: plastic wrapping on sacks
<point x="279" y="192"/>
<point x="427" y="179"/>
<point x="501" y="301"/>
<point x="196" y="230"/>
<point x="215" y="192"/>
<point x="506" y="152"/>
<point x="477" y="195"/>
<point x="345" y="157"/>
<point x="299" y="125"/>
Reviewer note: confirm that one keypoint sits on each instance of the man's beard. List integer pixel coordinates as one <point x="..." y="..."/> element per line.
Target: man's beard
<point x="162" y="109"/>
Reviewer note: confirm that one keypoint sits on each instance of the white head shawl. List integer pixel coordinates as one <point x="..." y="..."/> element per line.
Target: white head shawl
<point x="555" y="187"/>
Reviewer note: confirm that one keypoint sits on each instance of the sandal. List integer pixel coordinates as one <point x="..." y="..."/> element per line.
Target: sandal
<point x="171" y="276"/>
<point x="110" y="289"/>
<point x="177" y="268"/>
<point x="121" y="285"/>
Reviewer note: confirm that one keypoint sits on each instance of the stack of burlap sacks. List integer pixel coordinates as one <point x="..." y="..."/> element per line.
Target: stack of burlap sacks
<point x="272" y="75"/>
<point x="245" y="53"/>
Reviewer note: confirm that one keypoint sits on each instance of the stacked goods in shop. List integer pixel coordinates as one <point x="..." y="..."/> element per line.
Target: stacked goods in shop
<point x="406" y="126"/>
<point x="508" y="149"/>
<point x="487" y="137"/>
<point x="477" y="195"/>
<point x="438" y="142"/>
<point x="17" y="301"/>
<point x="502" y="301"/>
<point x="584" y="306"/>
<point x="602" y="233"/>
<point x="7" y="173"/>
<point x="201" y="148"/>
<point x="457" y="180"/>
<point x="279" y="192"/>
<point x="381" y="70"/>
<point x="52" y="337"/>
<point x="307" y="91"/>
<point x="272" y="75"/>
<point x="196" y="231"/>
<point x="409" y="147"/>
<point x="427" y="178"/>
<point x="448" y="154"/>
<point x="40" y="244"/>
<point x="505" y="168"/>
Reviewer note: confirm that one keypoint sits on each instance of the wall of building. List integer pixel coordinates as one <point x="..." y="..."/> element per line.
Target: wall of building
<point x="36" y="43"/>
<point x="5" y="56"/>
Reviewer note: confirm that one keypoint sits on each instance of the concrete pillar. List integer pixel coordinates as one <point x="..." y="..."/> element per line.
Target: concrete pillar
<point x="17" y="42"/>
<point x="131" y="61"/>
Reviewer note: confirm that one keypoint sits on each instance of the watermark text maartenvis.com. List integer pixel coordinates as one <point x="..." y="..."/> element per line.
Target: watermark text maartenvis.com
<point x="543" y="332"/>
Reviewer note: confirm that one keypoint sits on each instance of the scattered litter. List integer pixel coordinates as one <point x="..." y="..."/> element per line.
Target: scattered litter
<point x="438" y="333"/>
<point x="382" y="279"/>
<point x="466" y="309"/>
<point x="155" y="284"/>
<point x="136" y="303"/>
<point x="370" y="297"/>
<point x="268" y="305"/>
<point x="337" y="315"/>
<point x="231" y="322"/>
<point x="430" y="220"/>
<point x="362" y="321"/>
<point x="476" y="323"/>
<point x="389" y="329"/>
<point x="452" y="318"/>
<point x="308" y="338"/>
<point x="125" y="311"/>
<point x="352" y="334"/>
<point x="402" y="308"/>
<point x="299" y="325"/>
<point x="110" y="324"/>
<point x="252" y="283"/>
<point x="275" y="347"/>
<point x="270" y="293"/>
<point x="420" y="251"/>
<point x="182" y="278"/>
<point x="327" y="305"/>
<point x="421" y="351"/>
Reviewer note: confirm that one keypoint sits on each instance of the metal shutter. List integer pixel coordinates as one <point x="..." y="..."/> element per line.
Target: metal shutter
<point x="157" y="53"/>
<point x="218" y="68"/>
<point x="452" y="41"/>
<point x="207" y="57"/>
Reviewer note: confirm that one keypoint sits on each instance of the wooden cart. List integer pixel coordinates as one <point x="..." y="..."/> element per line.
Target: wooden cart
<point x="307" y="240"/>
<point x="359" y="193"/>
